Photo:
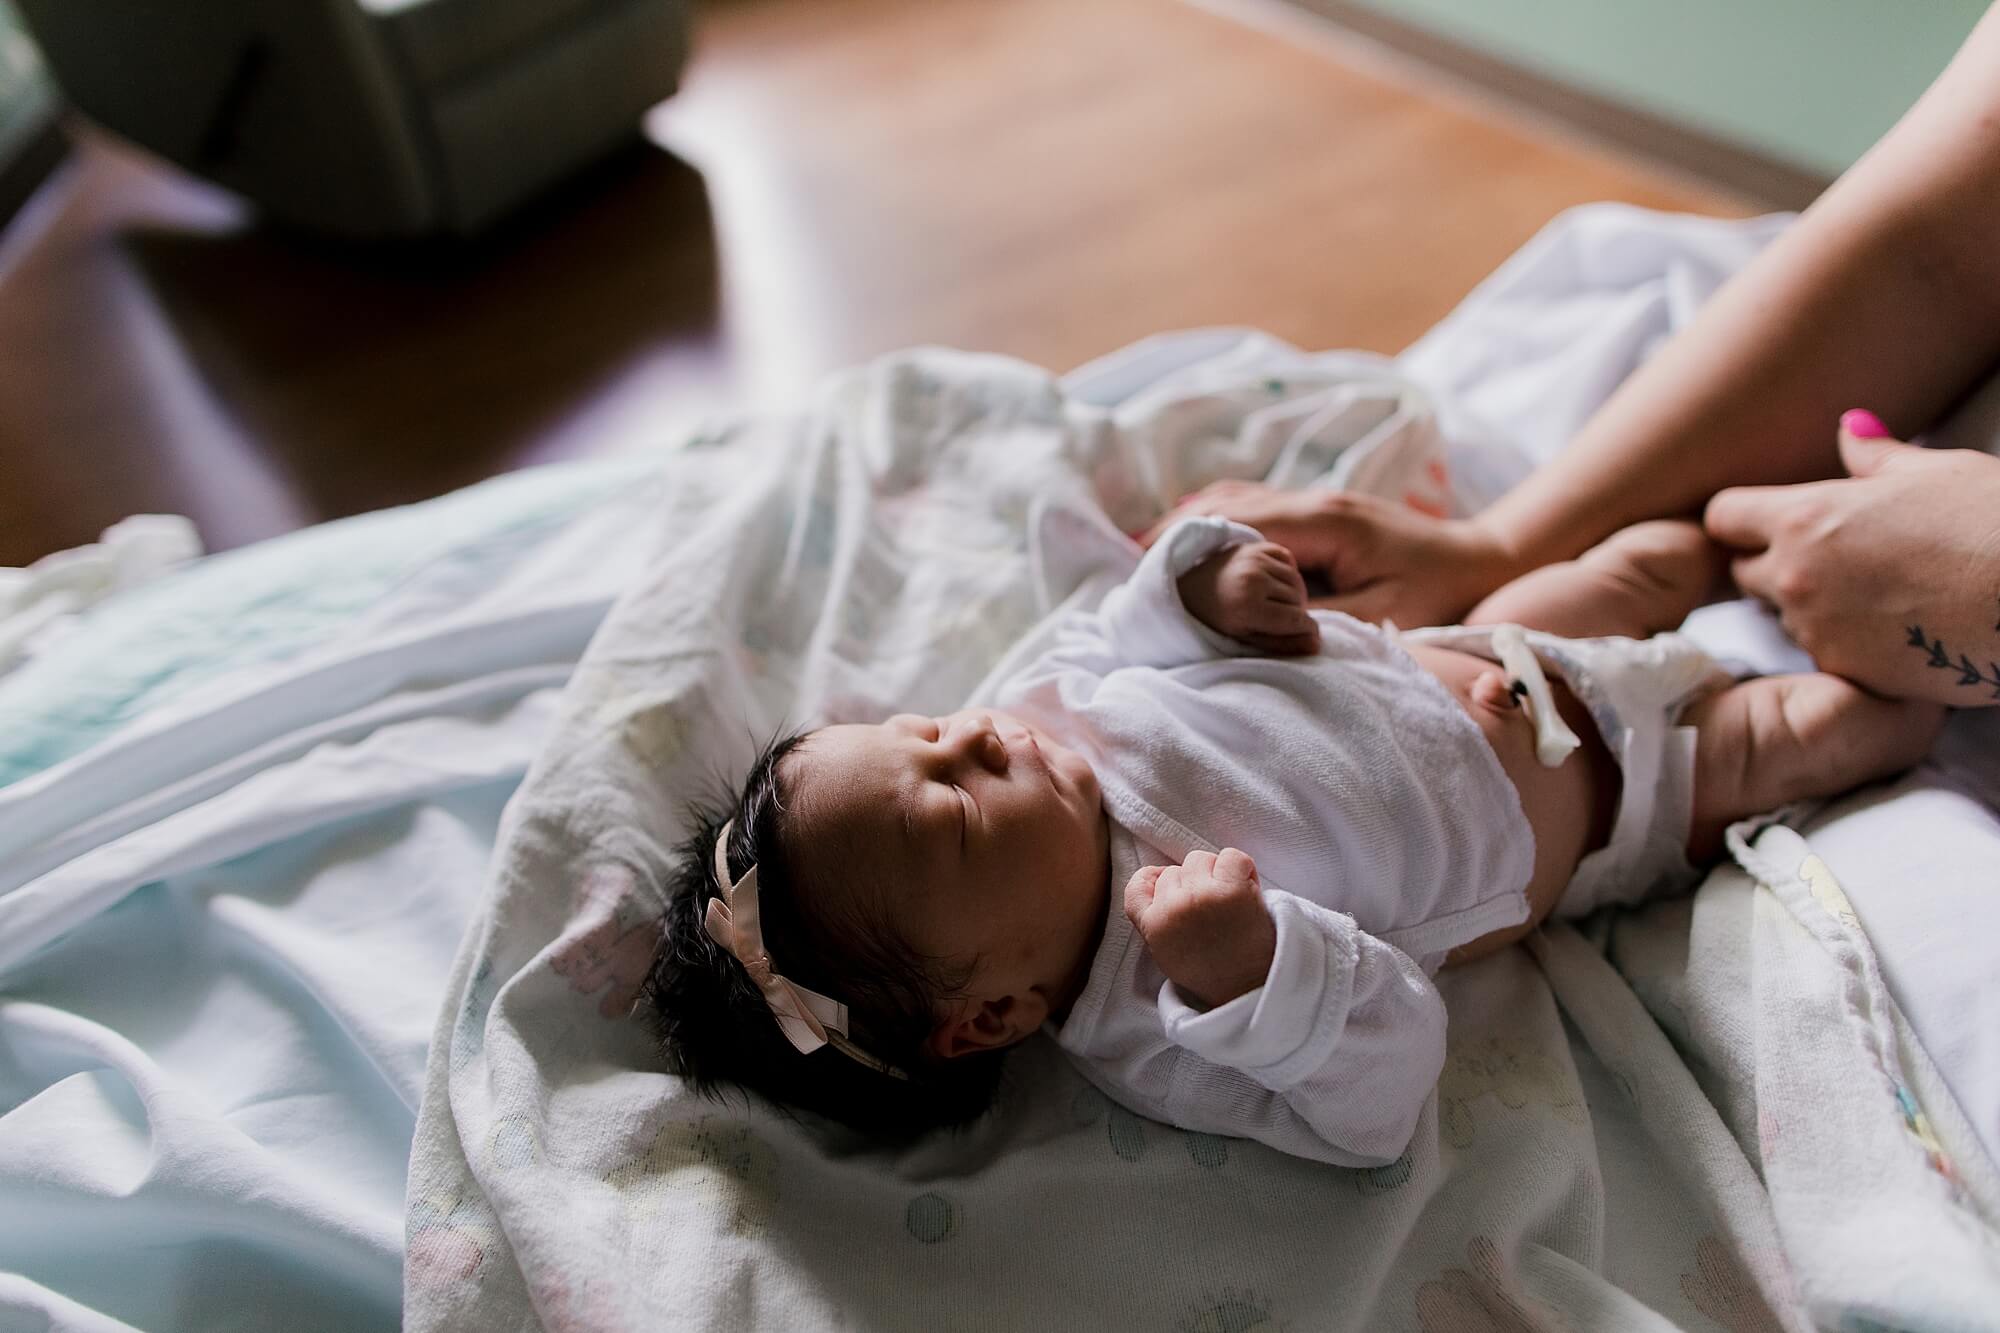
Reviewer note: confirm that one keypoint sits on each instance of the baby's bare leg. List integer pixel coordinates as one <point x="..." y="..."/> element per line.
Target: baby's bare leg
<point x="1763" y="743"/>
<point x="1640" y="581"/>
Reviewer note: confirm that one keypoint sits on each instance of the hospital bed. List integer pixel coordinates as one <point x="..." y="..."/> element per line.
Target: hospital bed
<point x="328" y="876"/>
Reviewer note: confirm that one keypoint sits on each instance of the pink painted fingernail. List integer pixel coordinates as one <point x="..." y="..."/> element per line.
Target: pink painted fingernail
<point x="1863" y="424"/>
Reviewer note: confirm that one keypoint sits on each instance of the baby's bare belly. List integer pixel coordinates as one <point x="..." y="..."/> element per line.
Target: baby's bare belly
<point x="1569" y="808"/>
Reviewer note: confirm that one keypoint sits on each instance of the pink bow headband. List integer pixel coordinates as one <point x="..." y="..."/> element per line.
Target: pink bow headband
<point x="807" y="1018"/>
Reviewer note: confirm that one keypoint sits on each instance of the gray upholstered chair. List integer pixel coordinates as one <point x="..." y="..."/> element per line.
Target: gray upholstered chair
<point x="369" y="117"/>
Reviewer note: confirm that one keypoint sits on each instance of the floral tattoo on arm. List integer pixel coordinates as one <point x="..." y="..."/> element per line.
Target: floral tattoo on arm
<point x="1940" y="658"/>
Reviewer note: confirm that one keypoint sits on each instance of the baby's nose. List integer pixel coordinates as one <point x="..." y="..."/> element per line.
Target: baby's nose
<point x="981" y="741"/>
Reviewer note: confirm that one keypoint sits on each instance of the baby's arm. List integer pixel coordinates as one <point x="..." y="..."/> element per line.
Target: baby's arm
<point x="1292" y="1025"/>
<point x="1640" y="581"/>
<point x="1255" y="594"/>
<point x="1208" y="588"/>
<point x="1193" y="590"/>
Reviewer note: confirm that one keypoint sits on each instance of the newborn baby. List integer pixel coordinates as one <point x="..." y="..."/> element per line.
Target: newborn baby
<point x="1217" y="844"/>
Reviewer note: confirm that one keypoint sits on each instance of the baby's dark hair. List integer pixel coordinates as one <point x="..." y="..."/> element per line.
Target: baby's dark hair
<point x="714" y="1024"/>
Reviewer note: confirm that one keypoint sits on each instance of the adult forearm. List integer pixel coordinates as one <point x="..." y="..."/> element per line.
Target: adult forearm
<point x="1886" y="294"/>
<point x="1751" y="392"/>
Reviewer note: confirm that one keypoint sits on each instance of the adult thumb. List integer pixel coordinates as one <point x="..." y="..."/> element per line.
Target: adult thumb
<point x="1866" y="446"/>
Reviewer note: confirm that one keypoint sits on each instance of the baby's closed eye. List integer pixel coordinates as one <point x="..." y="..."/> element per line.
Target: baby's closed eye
<point x="945" y="812"/>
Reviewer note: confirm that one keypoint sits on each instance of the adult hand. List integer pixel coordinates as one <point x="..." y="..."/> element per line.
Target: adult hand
<point x="1891" y="576"/>
<point x="1383" y="561"/>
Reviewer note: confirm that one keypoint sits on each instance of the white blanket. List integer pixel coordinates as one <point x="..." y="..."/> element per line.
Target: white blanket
<point x="244" y="814"/>
<point x="874" y="555"/>
<point x="871" y="555"/>
<point x="228" y="906"/>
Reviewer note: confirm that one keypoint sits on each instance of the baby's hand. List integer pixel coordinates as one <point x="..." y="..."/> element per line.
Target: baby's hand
<point x="1206" y="924"/>
<point x="1254" y="593"/>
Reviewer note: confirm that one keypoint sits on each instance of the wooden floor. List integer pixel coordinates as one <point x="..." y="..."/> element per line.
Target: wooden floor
<point x="1043" y="178"/>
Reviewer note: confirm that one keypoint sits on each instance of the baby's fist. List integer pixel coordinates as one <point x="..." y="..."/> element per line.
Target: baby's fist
<point x="1205" y="923"/>
<point x="1253" y="593"/>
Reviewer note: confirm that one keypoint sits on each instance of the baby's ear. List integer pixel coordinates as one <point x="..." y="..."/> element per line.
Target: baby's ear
<point x="974" y="1026"/>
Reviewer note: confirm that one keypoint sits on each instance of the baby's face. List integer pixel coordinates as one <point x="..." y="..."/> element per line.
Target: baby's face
<point x="986" y="837"/>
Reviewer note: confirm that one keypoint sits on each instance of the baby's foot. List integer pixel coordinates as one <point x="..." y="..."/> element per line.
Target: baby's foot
<point x="1763" y="743"/>
<point x="1640" y="581"/>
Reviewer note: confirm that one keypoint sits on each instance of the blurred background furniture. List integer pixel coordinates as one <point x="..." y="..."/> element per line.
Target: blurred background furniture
<point x="30" y="143"/>
<point x="369" y="117"/>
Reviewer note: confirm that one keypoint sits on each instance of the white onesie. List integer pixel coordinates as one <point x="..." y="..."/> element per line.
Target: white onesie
<point x="1384" y="831"/>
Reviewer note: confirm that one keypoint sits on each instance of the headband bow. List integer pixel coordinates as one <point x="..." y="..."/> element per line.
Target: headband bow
<point x="808" y="1019"/>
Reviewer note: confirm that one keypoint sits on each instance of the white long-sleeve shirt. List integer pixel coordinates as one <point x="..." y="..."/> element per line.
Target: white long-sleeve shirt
<point x="1384" y="831"/>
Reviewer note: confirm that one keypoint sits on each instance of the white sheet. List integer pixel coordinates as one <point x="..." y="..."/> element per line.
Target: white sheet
<point x="224" y="930"/>
<point x="36" y="602"/>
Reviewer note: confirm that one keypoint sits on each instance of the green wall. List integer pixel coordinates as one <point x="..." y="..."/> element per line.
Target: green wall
<point x="1813" y="82"/>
